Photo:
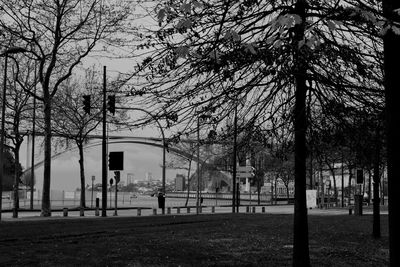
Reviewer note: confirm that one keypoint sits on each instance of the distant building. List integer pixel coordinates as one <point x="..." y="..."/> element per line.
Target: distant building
<point x="149" y="176"/>
<point x="180" y="182"/>
<point x="130" y="178"/>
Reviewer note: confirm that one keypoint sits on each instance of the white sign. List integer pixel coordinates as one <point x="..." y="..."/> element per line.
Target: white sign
<point x="311" y="196"/>
<point x="246" y="169"/>
<point x="243" y="175"/>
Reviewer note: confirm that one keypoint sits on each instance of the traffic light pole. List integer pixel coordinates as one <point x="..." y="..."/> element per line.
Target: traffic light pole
<point x="117" y="178"/>
<point x="198" y="167"/>
<point x="104" y="151"/>
<point x="116" y="199"/>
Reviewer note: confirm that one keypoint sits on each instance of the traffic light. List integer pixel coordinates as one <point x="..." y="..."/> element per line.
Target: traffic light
<point x="116" y="161"/>
<point x="111" y="104"/>
<point x="86" y="104"/>
<point x="252" y="171"/>
<point x="117" y="176"/>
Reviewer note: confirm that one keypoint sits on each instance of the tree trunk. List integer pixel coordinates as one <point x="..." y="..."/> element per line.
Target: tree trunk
<point x="391" y="44"/>
<point x="46" y="205"/>
<point x="301" y="255"/>
<point x="318" y="185"/>
<point x="188" y="186"/>
<point x="275" y="189"/>
<point x="382" y="186"/>
<point x="16" y="179"/>
<point x="323" y="205"/>
<point x="342" y="182"/>
<point x="376" y="226"/>
<point x="258" y="190"/>
<point x="332" y="170"/>
<point x="286" y="183"/>
<point x="369" y="186"/>
<point x="82" y="174"/>
<point x="363" y="187"/>
<point x="311" y="172"/>
<point x="335" y="191"/>
<point x="349" y="186"/>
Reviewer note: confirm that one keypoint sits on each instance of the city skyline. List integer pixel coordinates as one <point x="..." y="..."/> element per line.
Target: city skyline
<point x="139" y="160"/>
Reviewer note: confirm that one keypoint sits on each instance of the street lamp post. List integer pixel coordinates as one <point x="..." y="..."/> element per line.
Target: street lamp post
<point x="198" y="167"/>
<point x="12" y="50"/>
<point x="104" y="150"/>
<point x="234" y="163"/>
<point x="33" y="145"/>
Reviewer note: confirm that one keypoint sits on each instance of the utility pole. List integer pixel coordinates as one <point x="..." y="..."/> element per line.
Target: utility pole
<point x="198" y="166"/>
<point x="104" y="151"/>
<point x="111" y="183"/>
<point x="234" y="198"/>
<point x="91" y="202"/>
<point x="116" y="199"/>
<point x="33" y="144"/>
<point x="2" y="139"/>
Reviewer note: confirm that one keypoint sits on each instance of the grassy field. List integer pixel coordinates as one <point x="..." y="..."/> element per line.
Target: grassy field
<point x="203" y="240"/>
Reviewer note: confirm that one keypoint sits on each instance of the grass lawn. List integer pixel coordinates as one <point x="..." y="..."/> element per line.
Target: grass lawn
<point x="190" y="240"/>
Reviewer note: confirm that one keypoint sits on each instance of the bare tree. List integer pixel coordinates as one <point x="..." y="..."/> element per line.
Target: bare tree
<point x="59" y="35"/>
<point x="72" y="122"/>
<point x="268" y="55"/>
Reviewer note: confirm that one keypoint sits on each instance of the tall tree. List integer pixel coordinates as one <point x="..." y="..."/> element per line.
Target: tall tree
<point x="391" y="41"/>
<point x="266" y="55"/>
<point x="301" y="255"/>
<point x="376" y="227"/>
